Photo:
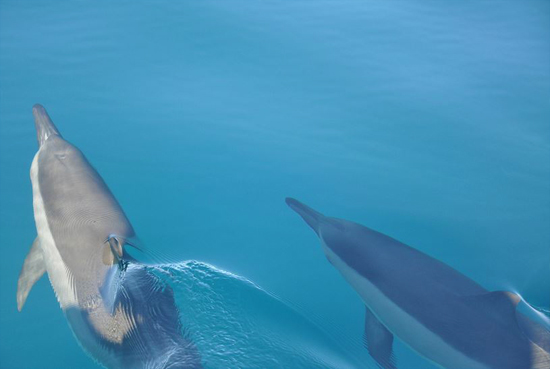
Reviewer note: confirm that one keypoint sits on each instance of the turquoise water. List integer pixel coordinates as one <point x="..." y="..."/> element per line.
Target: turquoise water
<point x="425" y="120"/>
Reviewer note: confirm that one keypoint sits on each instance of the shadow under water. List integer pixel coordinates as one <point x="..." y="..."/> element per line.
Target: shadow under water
<point x="236" y="324"/>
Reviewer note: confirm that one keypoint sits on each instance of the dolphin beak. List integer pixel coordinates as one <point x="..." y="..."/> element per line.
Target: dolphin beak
<point x="44" y="125"/>
<point x="311" y="217"/>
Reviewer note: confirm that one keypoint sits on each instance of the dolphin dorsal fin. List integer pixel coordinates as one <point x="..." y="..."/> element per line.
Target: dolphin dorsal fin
<point x="113" y="250"/>
<point x="33" y="268"/>
<point x="499" y="304"/>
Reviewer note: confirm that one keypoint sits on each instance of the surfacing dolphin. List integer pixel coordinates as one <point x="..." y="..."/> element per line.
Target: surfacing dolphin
<point x="440" y="313"/>
<point x="121" y="314"/>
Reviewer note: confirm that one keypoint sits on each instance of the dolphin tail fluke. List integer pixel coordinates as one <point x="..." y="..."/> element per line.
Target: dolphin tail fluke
<point x="312" y="217"/>
<point x="33" y="269"/>
<point x="44" y="125"/>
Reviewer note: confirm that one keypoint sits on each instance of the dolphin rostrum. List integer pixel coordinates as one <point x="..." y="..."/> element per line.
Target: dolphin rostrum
<point x="438" y="312"/>
<point x="120" y="312"/>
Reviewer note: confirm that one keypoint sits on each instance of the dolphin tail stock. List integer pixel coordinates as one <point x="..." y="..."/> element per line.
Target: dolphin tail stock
<point x="312" y="217"/>
<point x="44" y="125"/>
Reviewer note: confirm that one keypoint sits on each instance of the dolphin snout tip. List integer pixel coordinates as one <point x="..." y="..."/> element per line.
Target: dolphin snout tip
<point x="291" y="201"/>
<point x="36" y="108"/>
<point x="311" y="217"/>
<point x="295" y="205"/>
<point x="43" y="123"/>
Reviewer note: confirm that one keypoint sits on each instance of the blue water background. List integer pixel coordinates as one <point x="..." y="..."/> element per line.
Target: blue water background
<point x="426" y="120"/>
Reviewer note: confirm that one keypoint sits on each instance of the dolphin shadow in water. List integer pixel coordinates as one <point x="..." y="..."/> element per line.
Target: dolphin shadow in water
<point x="138" y="325"/>
<point x="438" y="312"/>
<point x="121" y="314"/>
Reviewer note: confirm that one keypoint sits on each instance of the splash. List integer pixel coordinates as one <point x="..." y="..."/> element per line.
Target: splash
<point x="236" y="324"/>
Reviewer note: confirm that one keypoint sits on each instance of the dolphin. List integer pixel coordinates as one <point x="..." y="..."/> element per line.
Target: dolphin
<point x="438" y="312"/>
<point x="120" y="312"/>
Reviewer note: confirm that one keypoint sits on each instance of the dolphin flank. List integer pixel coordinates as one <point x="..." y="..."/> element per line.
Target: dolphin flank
<point x="438" y="312"/>
<point x="119" y="311"/>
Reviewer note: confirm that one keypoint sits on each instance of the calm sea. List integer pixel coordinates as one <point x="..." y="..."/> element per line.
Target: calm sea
<point x="426" y="120"/>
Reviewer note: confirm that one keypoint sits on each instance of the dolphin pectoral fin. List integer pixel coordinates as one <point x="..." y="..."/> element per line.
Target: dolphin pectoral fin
<point x="378" y="340"/>
<point x="33" y="268"/>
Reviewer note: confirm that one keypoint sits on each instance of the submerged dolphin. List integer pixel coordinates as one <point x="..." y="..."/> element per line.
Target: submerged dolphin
<point x="121" y="314"/>
<point x="440" y="313"/>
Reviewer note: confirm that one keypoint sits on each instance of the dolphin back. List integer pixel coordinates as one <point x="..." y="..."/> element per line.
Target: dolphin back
<point x="312" y="217"/>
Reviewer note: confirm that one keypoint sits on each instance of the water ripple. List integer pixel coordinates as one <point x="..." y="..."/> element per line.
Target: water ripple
<point x="236" y="324"/>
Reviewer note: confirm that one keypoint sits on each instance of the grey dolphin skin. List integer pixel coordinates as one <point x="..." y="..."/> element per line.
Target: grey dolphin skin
<point x="438" y="312"/>
<point x="120" y="312"/>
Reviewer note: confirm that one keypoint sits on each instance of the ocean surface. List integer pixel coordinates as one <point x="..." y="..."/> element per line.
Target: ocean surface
<point x="426" y="120"/>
